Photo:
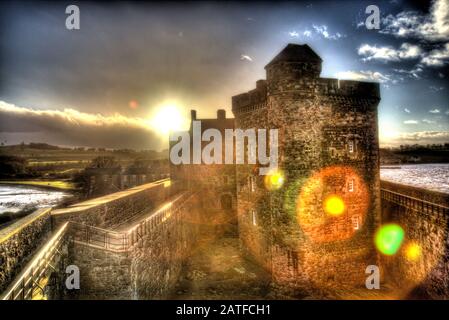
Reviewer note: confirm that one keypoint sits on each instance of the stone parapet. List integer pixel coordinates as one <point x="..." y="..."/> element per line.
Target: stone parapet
<point x="19" y="241"/>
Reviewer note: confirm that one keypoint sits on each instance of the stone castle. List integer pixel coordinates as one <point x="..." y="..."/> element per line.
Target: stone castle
<point x="328" y="152"/>
<point x="310" y="223"/>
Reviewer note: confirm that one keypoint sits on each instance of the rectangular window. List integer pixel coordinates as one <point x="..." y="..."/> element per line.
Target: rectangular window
<point x="355" y="222"/>
<point x="351" y="185"/>
<point x="252" y="183"/>
<point x="253" y="217"/>
<point x="351" y="146"/>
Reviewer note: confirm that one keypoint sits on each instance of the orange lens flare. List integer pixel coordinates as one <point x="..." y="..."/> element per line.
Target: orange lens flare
<point x="334" y="205"/>
<point x="133" y="104"/>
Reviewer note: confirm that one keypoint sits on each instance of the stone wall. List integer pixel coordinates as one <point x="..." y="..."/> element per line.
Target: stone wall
<point x="328" y="145"/>
<point x="19" y="241"/>
<point x="215" y="182"/>
<point x="426" y="275"/>
<point x="149" y="267"/>
<point x="114" y="209"/>
<point x="157" y="258"/>
<point x="103" y="274"/>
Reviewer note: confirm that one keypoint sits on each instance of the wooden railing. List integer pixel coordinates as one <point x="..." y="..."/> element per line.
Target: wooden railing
<point x="413" y="203"/>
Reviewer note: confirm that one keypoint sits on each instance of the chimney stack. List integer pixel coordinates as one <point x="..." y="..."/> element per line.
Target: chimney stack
<point x="221" y="114"/>
<point x="193" y="115"/>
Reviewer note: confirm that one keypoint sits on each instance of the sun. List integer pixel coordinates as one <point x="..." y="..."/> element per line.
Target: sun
<point x="167" y="117"/>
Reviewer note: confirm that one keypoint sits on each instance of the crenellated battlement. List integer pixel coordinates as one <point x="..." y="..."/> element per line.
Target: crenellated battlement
<point x="306" y="88"/>
<point x="295" y="72"/>
<point x="330" y="86"/>
<point x="253" y="99"/>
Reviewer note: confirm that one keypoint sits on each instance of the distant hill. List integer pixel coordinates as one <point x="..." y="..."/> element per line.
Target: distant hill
<point x="415" y="154"/>
<point x="18" y="149"/>
<point x="48" y="161"/>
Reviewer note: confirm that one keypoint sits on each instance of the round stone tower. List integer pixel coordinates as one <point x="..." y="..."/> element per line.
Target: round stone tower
<point x="318" y="227"/>
<point x="294" y="62"/>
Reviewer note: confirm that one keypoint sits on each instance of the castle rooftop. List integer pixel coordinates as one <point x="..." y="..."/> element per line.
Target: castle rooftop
<point x="296" y="53"/>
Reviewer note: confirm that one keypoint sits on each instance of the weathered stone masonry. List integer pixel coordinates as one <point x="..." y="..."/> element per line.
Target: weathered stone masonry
<point x="19" y="241"/>
<point x="318" y="119"/>
<point x="424" y="215"/>
<point x="149" y="263"/>
<point x="148" y="268"/>
<point x="139" y="258"/>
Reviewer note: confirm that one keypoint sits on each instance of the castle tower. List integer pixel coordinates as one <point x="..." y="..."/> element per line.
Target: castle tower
<point x="215" y="183"/>
<point x="317" y="228"/>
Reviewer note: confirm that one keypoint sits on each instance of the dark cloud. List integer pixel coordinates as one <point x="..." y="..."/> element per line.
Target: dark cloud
<point x="200" y="54"/>
<point x="126" y="51"/>
<point x="74" y="128"/>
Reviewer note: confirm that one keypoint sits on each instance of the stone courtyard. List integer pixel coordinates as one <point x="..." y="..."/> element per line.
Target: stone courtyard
<point x="219" y="270"/>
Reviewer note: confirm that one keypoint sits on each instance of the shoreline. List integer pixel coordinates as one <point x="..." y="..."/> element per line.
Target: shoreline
<point x="7" y="216"/>
<point x="55" y="185"/>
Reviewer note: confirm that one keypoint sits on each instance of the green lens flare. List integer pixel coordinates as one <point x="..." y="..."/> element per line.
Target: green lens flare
<point x="389" y="238"/>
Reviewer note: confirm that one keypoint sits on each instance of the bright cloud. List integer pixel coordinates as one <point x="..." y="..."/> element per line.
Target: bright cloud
<point x="406" y="110"/>
<point x="246" y="57"/>
<point x="410" y="122"/>
<point x="72" y="127"/>
<point x="437" y="57"/>
<point x="322" y="30"/>
<point x="441" y="136"/>
<point x="363" y="75"/>
<point x="388" y="53"/>
<point x="420" y="137"/>
<point x="434" y="111"/>
<point x="410" y="24"/>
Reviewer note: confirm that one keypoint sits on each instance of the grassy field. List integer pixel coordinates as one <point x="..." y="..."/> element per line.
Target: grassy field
<point x="53" y="184"/>
<point x="49" y="163"/>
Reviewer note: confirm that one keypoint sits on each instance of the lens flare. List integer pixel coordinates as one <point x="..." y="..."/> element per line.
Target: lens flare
<point x="274" y="180"/>
<point x="413" y="251"/>
<point x="334" y="205"/>
<point x="133" y="104"/>
<point x="388" y="239"/>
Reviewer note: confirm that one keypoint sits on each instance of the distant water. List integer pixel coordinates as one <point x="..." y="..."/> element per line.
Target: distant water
<point x="14" y="198"/>
<point x="433" y="176"/>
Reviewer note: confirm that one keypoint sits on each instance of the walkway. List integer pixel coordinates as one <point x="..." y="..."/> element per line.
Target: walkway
<point x="217" y="270"/>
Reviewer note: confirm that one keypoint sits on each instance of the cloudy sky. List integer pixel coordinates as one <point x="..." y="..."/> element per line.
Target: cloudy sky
<point x="106" y="84"/>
